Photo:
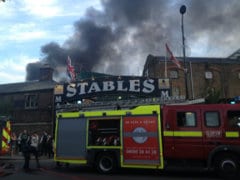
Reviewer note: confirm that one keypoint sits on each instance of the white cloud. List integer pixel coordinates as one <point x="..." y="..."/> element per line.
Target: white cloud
<point x="40" y="9"/>
<point x="27" y="24"/>
<point x="47" y="8"/>
<point x="25" y="36"/>
<point x="43" y="8"/>
<point x="14" y="69"/>
<point x="54" y="8"/>
<point x="26" y="32"/>
<point x="23" y="32"/>
<point x="6" y="10"/>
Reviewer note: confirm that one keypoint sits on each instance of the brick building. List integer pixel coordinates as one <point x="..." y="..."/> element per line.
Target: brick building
<point x="30" y="104"/>
<point x="204" y="74"/>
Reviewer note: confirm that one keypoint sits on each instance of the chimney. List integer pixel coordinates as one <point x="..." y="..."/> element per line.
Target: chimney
<point x="46" y="73"/>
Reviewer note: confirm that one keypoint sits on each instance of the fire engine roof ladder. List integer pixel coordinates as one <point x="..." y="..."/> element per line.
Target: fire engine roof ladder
<point x="122" y="104"/>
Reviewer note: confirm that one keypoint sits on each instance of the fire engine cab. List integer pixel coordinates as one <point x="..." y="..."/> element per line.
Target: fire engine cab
<point x="151" y="136"/>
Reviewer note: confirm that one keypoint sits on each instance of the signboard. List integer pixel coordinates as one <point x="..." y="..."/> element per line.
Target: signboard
<point x="163" y="84"/>
<point x="138" y="86"/>
<point x="140" y="140"/>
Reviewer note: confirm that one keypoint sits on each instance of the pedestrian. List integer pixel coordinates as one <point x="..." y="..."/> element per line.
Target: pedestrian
<point x="34" y="143"/>
<point x="25" y="149"/>
<point x="13" y="143"/>
<point x="19" y="143"/>
<point x="43" y="142"/>
<point x="50" y="146"/>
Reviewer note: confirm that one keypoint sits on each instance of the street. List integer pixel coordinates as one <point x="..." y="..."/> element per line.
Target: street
<point x="49" y="171"/>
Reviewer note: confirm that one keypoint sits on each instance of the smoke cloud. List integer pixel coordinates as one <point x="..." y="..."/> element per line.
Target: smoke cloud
<point x="118" y="38"/>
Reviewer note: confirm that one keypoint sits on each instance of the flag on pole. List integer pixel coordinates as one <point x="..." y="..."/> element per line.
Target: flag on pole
<point x="70" y="69"/>
<point x="172" y="57"/>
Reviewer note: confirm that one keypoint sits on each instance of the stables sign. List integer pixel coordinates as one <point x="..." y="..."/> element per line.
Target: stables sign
<point x="137" y="86"/>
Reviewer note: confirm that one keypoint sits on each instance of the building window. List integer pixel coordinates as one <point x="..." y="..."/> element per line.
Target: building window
<point x="31" y="101"/>
<point x="186" y="119"/>
<point x="212" y="119"/>
<point x="173" y="74"/>
<point x="208" y="75"/>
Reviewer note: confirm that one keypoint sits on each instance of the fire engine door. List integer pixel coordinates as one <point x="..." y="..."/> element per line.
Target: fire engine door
<point x="221" y="127"/>
<point x="188" y="140"/>
<point x="71" y="138"/>
<point x="141" y="144"/>
<point x="214" y="127"/>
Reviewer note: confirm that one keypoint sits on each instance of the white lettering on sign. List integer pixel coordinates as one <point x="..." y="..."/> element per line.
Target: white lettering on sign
<point x="148" y="86"/>
<point x="133" y="85"/>
<point x="94" y="88"/>
<point x="213" y="134"/>
<point x="120" y="86"/>
<point x="108" y="86"/>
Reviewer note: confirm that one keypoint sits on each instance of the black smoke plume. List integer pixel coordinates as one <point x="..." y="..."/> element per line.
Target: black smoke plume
<point x="118" y="38"/>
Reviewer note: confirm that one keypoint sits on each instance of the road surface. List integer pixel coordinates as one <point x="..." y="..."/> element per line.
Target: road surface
<point x="49" y="171"/>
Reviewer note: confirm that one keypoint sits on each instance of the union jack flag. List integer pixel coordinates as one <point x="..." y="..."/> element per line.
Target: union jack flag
<point x="172" y="57"/>
<point x="70" y="69"/>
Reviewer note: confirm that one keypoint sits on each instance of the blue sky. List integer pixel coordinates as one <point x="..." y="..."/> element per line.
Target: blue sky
<point x="132" y="29"/>
<point x="26" y="25"/>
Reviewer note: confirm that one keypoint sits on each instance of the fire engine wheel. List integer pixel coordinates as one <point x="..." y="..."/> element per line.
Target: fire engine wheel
<point x="105" y="163"/>
<point x="227" y="165"/>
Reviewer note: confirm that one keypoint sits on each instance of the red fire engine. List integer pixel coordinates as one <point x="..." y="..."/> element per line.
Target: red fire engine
<point x="151" y="136"/>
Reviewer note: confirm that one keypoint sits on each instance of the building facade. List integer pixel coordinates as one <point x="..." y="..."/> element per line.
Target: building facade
<point x="30" y="105"/>
<point x="204" y="75"/>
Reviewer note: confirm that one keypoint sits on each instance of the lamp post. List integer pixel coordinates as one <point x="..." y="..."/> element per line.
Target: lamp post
<point x="182" y="11"/>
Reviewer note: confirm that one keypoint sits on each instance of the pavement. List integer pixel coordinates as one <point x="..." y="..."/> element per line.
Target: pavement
<point x="13" y="157"/>
<point x="7" y="163"/>
<point x="20" y="157"/>
<point x="6" y="167"/>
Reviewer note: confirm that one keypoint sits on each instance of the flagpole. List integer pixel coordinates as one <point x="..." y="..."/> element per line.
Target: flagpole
<point x="165" y="65"/>
<point x="192" y="86"/>
<point x="182" y="11"/>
